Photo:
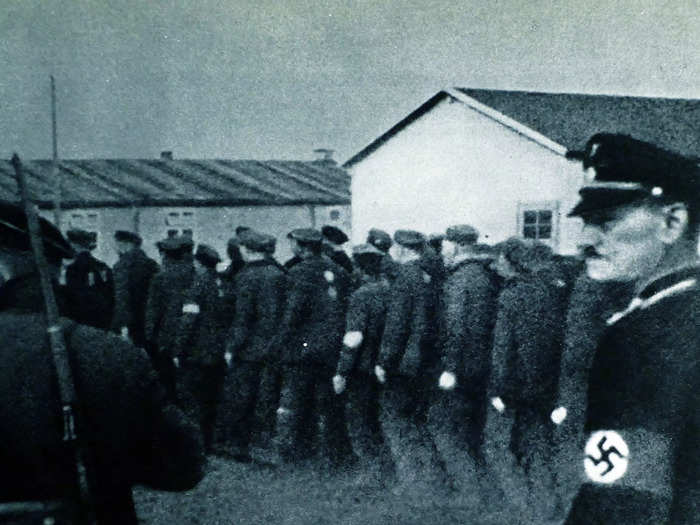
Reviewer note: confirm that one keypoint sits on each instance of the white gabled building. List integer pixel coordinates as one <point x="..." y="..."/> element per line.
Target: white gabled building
<point x="496" y="160"/>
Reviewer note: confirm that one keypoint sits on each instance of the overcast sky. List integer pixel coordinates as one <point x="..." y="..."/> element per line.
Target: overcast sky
<point x="275" y="79"/>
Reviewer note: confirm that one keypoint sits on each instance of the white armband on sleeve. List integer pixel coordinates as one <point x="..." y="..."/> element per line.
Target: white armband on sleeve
<point x="190" y="308"/>
<point x="352" y="339"/>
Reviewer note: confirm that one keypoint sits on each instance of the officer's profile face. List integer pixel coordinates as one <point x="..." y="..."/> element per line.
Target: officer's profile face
<point x="624" y="243"/>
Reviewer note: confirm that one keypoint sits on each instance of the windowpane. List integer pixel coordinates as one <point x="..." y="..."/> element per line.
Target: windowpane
<point x="530" y="217"/>
<point x="545" y="216"/>
<point x="172" y="233"/>
<point x="530" y="232"/>
<point x="544" y="232"/>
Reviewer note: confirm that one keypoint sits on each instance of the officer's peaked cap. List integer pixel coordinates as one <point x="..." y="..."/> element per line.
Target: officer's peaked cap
<point x="462" y="234"/>
<point x="622" y="170"/>
<point x="14" y="233"/>
<point x="409" y="238"/>
<point x="334" y="235"/>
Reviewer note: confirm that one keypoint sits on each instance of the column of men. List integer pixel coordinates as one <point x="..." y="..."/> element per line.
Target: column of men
<point x="344" y="360"/>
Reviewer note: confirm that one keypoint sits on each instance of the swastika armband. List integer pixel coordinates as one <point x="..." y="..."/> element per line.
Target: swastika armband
<point x="634" y="457"/>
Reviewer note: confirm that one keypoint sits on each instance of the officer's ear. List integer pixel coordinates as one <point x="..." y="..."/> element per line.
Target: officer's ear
<point x="675" y="222"/>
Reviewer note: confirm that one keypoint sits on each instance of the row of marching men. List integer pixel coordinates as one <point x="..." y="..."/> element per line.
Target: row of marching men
<point x="396" y="361"/>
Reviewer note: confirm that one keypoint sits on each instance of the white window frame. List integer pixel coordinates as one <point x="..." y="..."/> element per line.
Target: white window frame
<point x="538" y="206"/>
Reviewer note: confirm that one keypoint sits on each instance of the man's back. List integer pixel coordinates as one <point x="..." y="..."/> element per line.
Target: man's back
<point x="132" y="434"/>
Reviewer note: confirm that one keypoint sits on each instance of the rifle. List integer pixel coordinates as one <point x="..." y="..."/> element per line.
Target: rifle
<point x="67" y="392"/>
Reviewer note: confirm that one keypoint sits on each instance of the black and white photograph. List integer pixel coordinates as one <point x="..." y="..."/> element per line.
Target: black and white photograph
<point x="349" y="262"/>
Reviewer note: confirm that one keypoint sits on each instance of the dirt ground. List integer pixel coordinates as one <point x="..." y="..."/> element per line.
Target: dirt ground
<point x="235" y="493"/>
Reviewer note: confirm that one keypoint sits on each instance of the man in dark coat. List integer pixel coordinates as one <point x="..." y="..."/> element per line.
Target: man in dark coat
<point x="641" y="462"/>
<point x="89" y="283"/>
<point x="132" y="277"/>
<point x="527" y="347"/>
<point x="133" y="436"/>
<point x="406" y="363"/>
<point x="469" y="302"/>
<point x="333" y="240"/>
<point x="166" y="298"/>
<point x="199" y="344"/>
<point x="310" y="336"/>
<point x="259" y="290"/>
<point x="364" y="326"/>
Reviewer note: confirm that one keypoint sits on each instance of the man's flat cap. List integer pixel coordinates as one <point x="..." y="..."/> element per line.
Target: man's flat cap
<point x="334" y="235"/>
<point x="253" y="240"/>
<point x="82" y="238"/>
<point x="621" y="170"/>
<point x="380" y="239"/>
<point x="462" y="234"/>
<point x="207" y="255"/>
<point x="307" y="235"/>
<point x="127" y="236"/>
<point x="14" y="234"/>
<point x="178" y="243"/>
<point x="409" y="238"/>
<point x="241" y="229"/>
<point x="366" y="249"/>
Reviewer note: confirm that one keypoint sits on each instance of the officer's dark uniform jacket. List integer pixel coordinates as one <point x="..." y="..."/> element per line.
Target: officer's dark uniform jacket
<point x="90" y="289"/>
<point x="132" y="435"/>
<point x="644" y="396"/>
<point x="203" y="323"/>
<point x="259" y="291"/>
<point x="407" y="346"/>
<point x="527" y="338"/>
<point x="470" y="300"/>
<point x="166" y="297"/>
<point x="313" y="321"/>
<point x="132" y="277"/>
<point x="366" y="314"/>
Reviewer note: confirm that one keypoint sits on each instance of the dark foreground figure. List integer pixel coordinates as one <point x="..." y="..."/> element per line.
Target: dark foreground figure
<point x="132" y="435"/>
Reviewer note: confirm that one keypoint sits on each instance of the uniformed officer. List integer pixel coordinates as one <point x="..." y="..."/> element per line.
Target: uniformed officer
<point x="132" y="277"/>
<point x="166" y="298"/>
<point x="259" y="290"/>
<point x="364" y="326"/>
<point x="469" y="304"/>
<point x="310" y="337"/>
<point x="640" y="208"/>
<point x="133" y="435"/>
<point x="333" y="240"/>
<point x="383" y="242"/>
<point x="89" y="282"/>
<point x="406" y="363"/>
<point x="198" y="347"/>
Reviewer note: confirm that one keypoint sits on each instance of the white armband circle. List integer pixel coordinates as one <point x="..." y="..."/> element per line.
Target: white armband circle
<point x="190" y="308"/>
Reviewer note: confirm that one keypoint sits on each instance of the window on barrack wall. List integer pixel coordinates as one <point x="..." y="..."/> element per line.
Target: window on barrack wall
<point x="539" y="221"/>
<point x="335" y="215"/>
<point x="180" y="222"/>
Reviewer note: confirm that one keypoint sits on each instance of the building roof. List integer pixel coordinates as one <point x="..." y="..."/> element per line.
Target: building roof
<point x="164" y="182"/>
<point x="561" y="121"/>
